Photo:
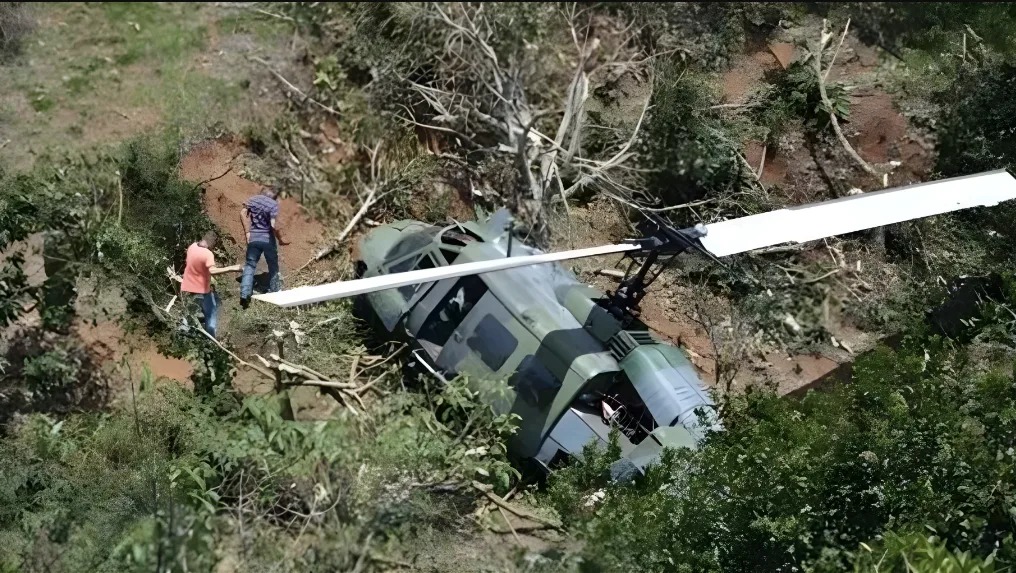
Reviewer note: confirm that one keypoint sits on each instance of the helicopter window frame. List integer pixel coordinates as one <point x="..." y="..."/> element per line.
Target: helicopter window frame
<point x="492" y="341"/>
<point x="452" y="239"/>
<point x="425" y="260"/>
<point x="450" y="254"/>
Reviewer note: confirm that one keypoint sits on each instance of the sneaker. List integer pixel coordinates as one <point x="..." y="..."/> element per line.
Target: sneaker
<point x="244" y="303"/>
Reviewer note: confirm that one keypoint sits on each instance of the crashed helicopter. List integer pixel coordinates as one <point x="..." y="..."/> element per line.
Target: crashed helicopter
<point x="578" y="361"/>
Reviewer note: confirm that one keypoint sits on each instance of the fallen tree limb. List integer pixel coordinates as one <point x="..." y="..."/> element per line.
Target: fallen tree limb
<point x="322" y="384"/>
<point x="274" y="15"/>
<point x="294" y="368"/>
<point x="527" y="528"/>
<point x="395" y="353"/>
<point x="611" y="273"/>
<point x="507" y="520"/>
<point x="235" y="357"/>
<point x="824" y="276"/>
<point x="217" y="177"/>
<point x="371" y="199"/>
<point x="370" y="385"/>
<point x="340" y="398"/>
<point x="487" y="491"/>
<point x="828" y="104"/>
<point x="389" y="561"/>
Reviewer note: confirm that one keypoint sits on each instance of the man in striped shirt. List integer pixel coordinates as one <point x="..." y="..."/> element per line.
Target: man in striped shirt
<point x="263" y="238"/>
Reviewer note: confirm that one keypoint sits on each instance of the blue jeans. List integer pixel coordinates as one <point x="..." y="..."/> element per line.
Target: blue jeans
<point x="255" y="249"/>
<point x="209" y="309"/>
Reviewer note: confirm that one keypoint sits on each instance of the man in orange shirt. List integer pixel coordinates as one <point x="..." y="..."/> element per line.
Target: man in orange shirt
<point x="197" y="279"/>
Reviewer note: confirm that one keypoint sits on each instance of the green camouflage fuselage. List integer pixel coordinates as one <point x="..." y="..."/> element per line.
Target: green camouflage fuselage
<point x="574" y="372"/>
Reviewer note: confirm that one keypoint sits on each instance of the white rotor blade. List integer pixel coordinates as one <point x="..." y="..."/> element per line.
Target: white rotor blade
<point x="342" y="289"/>
<point x="858" y="212"/>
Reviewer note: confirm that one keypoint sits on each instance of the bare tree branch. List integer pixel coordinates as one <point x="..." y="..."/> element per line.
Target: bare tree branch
<point x="828" y="104"/>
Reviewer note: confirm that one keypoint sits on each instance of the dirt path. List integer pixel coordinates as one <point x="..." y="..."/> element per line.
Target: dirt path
<point x="224" y="198"/>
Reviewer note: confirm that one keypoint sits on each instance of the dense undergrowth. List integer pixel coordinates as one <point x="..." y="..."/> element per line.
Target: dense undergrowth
<point x="918" y="444"/>
<point x="179" y="482"/>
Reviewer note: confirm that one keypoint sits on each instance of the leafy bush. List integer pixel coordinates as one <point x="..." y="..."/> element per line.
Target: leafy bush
<point x="977" y="128"/>
<point x="15" y="292"/>
<point x="46" y="373"/>
<point x="125" y="213"/>
<point x="682" y="146"/>
<point x="795" y="95"/>
<point x="918" y="553"/>
<point x="910" y="442"/>
<point x="182" y="477"/>
<point x="710" y="34"/>
<point x="932" y="26"/>
<point x="52" y="370"/>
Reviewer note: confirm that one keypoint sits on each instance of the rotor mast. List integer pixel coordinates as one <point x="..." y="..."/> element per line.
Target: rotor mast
<point x="659" y="239"/>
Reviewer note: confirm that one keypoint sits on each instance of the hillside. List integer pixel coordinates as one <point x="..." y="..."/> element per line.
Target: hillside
<point x="867" y="426"/>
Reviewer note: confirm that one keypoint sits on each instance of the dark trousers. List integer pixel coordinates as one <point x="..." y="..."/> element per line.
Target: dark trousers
<point x="209" y="305"/>
<point x="255" y="249"/>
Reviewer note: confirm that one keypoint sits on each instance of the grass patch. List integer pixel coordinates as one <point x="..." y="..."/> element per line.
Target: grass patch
<point x="123" y="68"/>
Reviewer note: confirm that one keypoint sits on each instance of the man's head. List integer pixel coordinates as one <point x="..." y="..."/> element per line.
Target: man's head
<point x="209" y="239"/>
<point x="270" y="191"/>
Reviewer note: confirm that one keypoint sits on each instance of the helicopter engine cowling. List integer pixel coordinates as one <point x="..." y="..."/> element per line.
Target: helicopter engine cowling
<point x="670" y="388"/>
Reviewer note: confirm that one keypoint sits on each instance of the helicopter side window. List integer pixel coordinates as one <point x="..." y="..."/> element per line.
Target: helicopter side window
<point x="534" y="382"/>
<point x="493" y="342"/>
<point x="453" y="307"/>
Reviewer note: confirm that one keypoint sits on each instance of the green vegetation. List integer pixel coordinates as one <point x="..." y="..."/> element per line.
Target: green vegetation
<point x="907" y="468"/>
<point x="15" y="24"/>
<point x="119" y="69"/>
<point x="135" y="220"/>
<point x="179" y="479"/>
<point x="680" y="143"/>
<point x="911" y="444"/>
<point x="795" y="96"/>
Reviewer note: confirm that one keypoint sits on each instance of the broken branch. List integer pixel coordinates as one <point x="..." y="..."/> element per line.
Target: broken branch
<point x="829" y="106"/>
<point x="293" y="88"/>
<point x="487" y="491"/>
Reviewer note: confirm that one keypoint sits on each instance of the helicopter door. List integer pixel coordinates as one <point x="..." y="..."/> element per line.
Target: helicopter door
<point x="447" y="314"/>
<point x="483" y="342"/>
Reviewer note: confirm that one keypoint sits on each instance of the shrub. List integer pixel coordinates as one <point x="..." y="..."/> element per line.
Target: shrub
<point x="918" y="553"/>
<point x="52" y="370"/>
<point x="795" y="95"/>
<point x="976" y="127"/>
<point x="681" y="144"/>
<point x="710" y="34"/>
<point x="910" y="442"/>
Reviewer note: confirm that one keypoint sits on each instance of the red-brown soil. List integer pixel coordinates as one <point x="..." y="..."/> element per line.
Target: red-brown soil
<point x="224" y="198"/>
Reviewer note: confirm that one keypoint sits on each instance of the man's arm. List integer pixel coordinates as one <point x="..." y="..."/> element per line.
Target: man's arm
<point x="244" y="214"/>
<point x="222" y="270"/>
<point x="278" y="232"/>
<point x="214" y="270"/>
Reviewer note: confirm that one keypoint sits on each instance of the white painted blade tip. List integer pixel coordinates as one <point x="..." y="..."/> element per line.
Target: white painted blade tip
<point x="804" y="223"/>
